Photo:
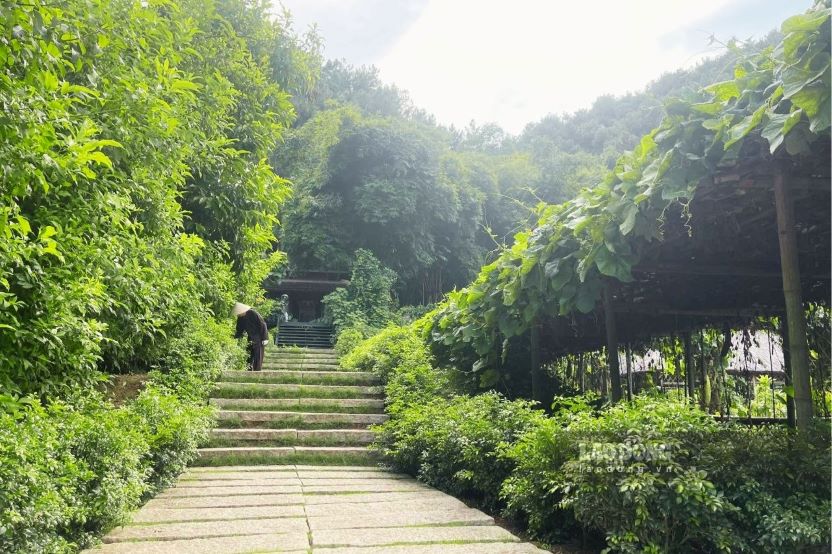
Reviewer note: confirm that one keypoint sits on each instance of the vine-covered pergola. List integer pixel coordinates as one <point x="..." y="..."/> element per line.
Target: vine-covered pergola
<point x="720" y="215"/>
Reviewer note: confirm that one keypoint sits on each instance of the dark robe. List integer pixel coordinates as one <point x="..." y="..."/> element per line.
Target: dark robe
<point x="252" y="324"/>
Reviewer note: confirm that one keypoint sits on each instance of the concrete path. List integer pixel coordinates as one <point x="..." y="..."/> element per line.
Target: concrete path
<point x="303" y="509"/>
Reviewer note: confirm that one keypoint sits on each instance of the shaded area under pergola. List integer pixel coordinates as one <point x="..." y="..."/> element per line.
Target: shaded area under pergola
<point x="721" y="261"/>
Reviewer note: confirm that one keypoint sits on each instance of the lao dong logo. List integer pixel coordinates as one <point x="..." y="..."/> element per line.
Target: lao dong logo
<point x="630" y="456"/>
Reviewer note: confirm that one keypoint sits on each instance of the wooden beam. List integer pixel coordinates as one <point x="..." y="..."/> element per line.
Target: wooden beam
<point x="796" y="324"/>
<point x="707" y="269"/>
<point x="718" y="270"/>
<point x="612" y="346"/>
<point x="654" y="309"/>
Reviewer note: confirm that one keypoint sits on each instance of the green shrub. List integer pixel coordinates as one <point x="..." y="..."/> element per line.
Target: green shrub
<point x="661" y="476"/>
<point x="349" y="338"/>
<point x="109" y="448"/>
<point x="174" y="429"/>
<point x="71" y="471"/>
<point x="38" y="476"/>
<point x="399" y="356"/>
<point x="197" y="357"/>
<point x="368" y="299"/>
<point x="456" y="445"/>
<point x="388" y="351"/>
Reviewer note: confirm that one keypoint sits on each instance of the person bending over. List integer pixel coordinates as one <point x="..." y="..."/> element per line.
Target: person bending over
<point x="252" y="324"/>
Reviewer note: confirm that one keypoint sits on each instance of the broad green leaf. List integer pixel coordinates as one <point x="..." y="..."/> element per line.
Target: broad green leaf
<point x="23" y="225"/>
<point x="725" y="90"/>
<point x="809" y="21"/>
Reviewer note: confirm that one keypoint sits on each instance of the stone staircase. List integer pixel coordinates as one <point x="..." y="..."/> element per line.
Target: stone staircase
<point x="302" y="408"/>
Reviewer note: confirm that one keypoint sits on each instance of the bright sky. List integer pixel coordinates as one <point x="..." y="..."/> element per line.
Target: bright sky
<point x="515" y="62"/>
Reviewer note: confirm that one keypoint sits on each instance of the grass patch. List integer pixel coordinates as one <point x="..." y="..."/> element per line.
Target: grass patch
<point x="293" y="423"/>
<point x="315" y="408"/>
<point x="295" y="378"/>
<point x="119" y="389"/>
<point x="287" y="441"/>
<point x="255" y="390"/>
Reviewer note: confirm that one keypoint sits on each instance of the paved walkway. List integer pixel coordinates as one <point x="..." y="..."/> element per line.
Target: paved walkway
<point x="303" y="509"/>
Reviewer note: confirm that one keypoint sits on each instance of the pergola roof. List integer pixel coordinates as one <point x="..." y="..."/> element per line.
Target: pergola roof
<point x="718" y="260"/>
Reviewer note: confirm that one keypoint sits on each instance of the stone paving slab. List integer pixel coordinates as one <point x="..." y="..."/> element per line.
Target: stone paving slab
<point x="226" y="501"/>
<point x="222" y="491"/>
<point x="282" y="468"/>
<point x="468" y="516"/>
<point x="238" y="476"/>
<point x="265" y="481"/>
<point x="400" y="535"/>
<point x="414" y="496"/>
<point x="374" y="508"/>
<point x="301" y="467"/>
<point x="381" y="475"/>
<point x="167" y="515"/>
<point x="335" y="481"/>
<point x="357" y="510"/>
<point x="206" y="529"/>
<point x="293" y="542"/>
<point x="373" y="487"/>
<point x="475" y="548"/>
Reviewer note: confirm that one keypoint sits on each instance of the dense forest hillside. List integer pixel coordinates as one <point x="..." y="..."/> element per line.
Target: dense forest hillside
<point x="373" y="171"/>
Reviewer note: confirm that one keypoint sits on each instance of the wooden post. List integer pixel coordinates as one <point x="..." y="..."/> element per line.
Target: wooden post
<point x="677" y="368"/>
<point x="787" y="369"/>
<point x="796" y="316"/>
<point x="705" y="391"/>
<point x="629" y="361"/>
<point x="690" y="376"/>
<point x="612" y="347"/>
<point x="534" y="349"/>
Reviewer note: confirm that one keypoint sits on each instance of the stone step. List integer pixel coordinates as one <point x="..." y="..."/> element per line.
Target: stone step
<point x="271" y="390"/>
<point x="301" y="377"/>
<point x="277" y="353"/>
<point x="314" y="366"/>
<point x="289" y="351"/>
<point x="340" y="405"/>
<point x="287" y="454"/>
<point x="262" y="416"/>
<point x="291" y="437"/>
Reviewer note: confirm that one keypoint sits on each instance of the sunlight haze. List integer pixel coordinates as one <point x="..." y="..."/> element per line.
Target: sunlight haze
<point x="464" y="60"/>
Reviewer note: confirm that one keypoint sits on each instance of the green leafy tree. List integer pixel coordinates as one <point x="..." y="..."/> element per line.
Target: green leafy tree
<point x="368" y="299"/>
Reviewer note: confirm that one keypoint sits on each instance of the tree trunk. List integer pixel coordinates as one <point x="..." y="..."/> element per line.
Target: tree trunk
<point x="796" y="316"/>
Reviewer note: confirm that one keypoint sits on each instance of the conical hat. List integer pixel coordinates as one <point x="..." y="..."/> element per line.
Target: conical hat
<point x="239" y="309"/>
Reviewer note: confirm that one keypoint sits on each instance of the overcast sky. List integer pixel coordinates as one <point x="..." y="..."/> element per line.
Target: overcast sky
<point x="514" y="62"/>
